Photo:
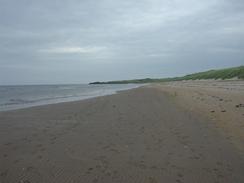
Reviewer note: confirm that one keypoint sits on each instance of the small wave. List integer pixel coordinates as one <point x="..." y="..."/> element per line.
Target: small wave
<point x="23" y="101"/>
<point x="39" y="95"/>
<point x="16" y="102"/>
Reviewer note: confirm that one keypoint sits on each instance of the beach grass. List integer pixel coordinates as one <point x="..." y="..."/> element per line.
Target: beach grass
<point x="228" y="73"/>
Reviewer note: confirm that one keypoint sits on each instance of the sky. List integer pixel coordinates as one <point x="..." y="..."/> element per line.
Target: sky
<point x="80" y="41"/>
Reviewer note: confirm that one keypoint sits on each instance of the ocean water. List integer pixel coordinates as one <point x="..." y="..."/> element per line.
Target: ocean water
<point x="17" y="97"/>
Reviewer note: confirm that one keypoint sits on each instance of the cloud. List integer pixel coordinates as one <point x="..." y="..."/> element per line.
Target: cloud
<point x="72" y="50"/>
<point x="153" y="14"/>
<point x="109" y="39"/>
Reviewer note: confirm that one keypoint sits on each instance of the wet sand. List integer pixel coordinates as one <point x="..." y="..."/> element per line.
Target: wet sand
<point x="140" y="135"/>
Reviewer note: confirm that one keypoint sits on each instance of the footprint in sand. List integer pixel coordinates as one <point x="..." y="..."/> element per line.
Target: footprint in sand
<point x="89" y="170"/>
<point x="178" y="181"/>
<point x="180" y="177"/>
<point x="24" y="181"/>
<point x="4" y="173"/>
<point x="8" y="144"/>
<point x="152" y="180"/>
<point x="16" y="161"/>
<point x="39" y="157"/>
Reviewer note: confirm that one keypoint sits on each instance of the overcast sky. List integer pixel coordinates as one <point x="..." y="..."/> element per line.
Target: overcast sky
<point x="79" y="41"/>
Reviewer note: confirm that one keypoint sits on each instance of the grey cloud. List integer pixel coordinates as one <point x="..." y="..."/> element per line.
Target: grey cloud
<point x="42" y="40"/>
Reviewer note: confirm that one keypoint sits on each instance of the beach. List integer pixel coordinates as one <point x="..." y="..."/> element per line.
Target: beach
<point x="178" y="132"/>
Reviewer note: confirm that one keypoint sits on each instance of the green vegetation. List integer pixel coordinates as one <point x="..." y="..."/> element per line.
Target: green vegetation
<point x="229" y="73"/>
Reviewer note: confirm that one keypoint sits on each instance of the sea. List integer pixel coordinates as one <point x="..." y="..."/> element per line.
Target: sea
<point x="18" y="97"/>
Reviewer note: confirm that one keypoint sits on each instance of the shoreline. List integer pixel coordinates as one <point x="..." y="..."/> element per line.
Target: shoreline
<point x="39" y="107"/>
<point x="138" y="135"/>
<point x="60" y="100"/>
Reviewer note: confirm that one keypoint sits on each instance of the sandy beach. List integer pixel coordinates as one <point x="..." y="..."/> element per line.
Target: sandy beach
<point x="175" y="132"/>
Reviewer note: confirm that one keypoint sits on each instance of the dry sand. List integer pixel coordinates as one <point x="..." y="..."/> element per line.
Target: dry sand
<point x="222" y="102"/>
<point x="140" y="135"/>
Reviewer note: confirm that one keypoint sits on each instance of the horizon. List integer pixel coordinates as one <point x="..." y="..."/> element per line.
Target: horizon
<point x="53" y="84"/>
<point x="78" y="42"/>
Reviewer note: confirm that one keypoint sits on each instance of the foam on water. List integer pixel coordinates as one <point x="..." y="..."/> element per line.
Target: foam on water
<point x="17" y="97"/>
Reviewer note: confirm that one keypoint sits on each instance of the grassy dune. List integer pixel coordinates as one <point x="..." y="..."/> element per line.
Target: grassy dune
<point x="235" y="72"/>
<point x="228" y="73"/>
